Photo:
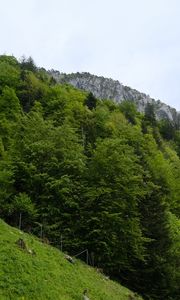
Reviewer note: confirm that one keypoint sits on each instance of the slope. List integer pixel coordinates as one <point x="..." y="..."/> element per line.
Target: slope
<point x="46" y="274"/>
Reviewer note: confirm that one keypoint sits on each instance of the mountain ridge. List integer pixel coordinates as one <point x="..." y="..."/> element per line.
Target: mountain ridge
<point x="107" y="88"/>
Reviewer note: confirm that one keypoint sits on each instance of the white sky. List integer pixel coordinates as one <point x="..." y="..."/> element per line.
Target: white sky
<point x="134" y="41"/>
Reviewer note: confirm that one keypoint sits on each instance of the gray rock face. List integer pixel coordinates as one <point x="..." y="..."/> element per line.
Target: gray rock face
<point x="106" y="88"/>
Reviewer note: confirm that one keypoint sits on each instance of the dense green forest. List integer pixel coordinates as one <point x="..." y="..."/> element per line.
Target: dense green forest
<point x="91" y="174"/>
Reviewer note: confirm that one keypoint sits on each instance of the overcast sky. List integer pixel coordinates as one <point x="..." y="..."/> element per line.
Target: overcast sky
<point x="134" y="41"/>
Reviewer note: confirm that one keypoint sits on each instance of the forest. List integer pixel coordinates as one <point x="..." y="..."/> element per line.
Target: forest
<point x="91" y="174"/>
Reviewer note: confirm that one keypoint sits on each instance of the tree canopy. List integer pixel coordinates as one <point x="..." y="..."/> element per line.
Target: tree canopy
<point x="99" y="175"/>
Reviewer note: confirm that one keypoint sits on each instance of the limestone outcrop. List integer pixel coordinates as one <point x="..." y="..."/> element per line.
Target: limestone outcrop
<point x="107" y="88"/>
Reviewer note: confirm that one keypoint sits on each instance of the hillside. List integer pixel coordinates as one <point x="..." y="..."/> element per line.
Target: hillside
<point x="95" y="174"/>
<point x="107" y="88"/>
<point x="47" y="274"/>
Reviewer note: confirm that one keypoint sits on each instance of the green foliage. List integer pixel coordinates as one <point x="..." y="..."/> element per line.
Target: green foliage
<point x="177" y="141"/>
<point x="150" y="114"/>
<point x="149" y="119"/>
<point x="6" y="184"/>
<point x="23" y="205"/>
<point x="31" y="89"/>
<point x="113" y="229"/>
<point x="129" y="110"/>
<point x="9" y="75"/>
<point x="90" y="101"/>
<point x="28" y="64"/>
<point x="9" y="104"/>
<point x="99" y="174"/>
<point x="167" y="129"/>
<point x="11" y="60"/>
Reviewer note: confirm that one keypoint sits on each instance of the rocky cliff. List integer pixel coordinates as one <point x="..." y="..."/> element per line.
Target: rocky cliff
<point x="106" y="88"/>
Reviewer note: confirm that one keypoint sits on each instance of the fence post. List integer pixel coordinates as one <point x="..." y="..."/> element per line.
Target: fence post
<point x="87" y="256"/>
<point x="61" y="245"/>
<point x="20" y="220"/>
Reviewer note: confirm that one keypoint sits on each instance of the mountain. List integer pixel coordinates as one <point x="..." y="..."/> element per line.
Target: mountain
<point x="106" y="88"/>
<point x="41" y="272"/>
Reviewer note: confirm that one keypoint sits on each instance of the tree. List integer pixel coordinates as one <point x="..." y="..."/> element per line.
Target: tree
<point x="111" y="227"/>
<point x="48" y="163"/>
<point x="22" y="211"/>
<point x="153" y="279"/>
<point x="167" y="129"/>
<point x="9" y="75"/>
<point x="6" y="183"/>
<point x="28" y="64"/>
<point x="149" y="119"/>
<point x="9" y="104"/>
<point x="177" y="141"/>
<point x="129" y="110"/>
<point x="90" y="101"/>
<point x="31" y="89"/>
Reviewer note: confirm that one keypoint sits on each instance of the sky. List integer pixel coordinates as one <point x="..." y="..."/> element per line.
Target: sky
<point x="134" y="41"/>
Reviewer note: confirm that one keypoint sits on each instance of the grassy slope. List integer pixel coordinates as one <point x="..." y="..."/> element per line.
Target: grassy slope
<point x="47" y="275"/>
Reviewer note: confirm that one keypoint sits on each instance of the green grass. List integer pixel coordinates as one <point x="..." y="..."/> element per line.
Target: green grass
<point x="48" y="275"/>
